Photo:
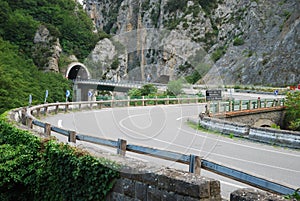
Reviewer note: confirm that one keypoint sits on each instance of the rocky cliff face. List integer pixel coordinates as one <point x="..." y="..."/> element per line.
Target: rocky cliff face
<point x="238" y="41"/>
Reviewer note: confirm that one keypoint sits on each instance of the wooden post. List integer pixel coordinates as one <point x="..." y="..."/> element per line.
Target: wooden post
<point x="143" y="100"/>
<point x="72" y="136"/>
<point x="66" y="108"/>
<point x="230" y="106"/>
<point x="241" y="105"/>
<point x="198" y="165"/>
<point x="195" y="164"/>
<point x="38" y="112"/>
<point x="56" y="109"/>
<point x="29" y="122"/>
<point x="23" y="116"/>
<point x="122" y="144"/>
<point x="47" y="129"/>
<point x="45" y="110"/>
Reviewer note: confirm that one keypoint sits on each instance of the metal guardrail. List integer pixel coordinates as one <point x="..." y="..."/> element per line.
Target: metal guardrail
<point x="194" y="162"/>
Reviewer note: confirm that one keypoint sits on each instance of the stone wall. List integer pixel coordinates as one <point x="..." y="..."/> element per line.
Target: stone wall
<point x="251" y="117"/>
<point x="150" y="182"/>
<point x="253" y="195"/>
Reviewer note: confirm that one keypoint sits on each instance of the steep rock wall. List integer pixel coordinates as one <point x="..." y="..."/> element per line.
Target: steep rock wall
<point x="245" y="42"/>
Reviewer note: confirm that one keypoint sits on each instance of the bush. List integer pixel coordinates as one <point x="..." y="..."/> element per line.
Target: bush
<point x="31" y="169"/>
<point x="216" y="55"/>
<point x="293" y="110"/>
<point x="238" y="41"/>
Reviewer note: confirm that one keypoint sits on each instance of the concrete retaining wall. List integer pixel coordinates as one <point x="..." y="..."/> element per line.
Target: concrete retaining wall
<point x="266" y="135"/>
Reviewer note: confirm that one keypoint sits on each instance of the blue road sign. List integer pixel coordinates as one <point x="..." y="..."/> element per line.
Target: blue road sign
<point x="90" y="94"/>
<point x="67" y="93"/>
<point x="276" y="92"/>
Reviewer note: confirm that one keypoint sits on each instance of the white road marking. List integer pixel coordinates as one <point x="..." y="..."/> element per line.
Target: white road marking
<point x="59" y="123"/>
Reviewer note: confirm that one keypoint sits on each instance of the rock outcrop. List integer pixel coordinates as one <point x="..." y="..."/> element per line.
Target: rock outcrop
<point x="242" y="42"/>
<point x="46" y="51"/>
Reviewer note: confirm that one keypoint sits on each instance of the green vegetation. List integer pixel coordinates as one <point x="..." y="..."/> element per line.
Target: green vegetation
<point x="21" y="58"/>
<point x="174" y="87"/>
<point x="21" y="19"/>
<point x="216" y="55"/>
<point x="146" y="90"/>
<point x="19" y="78"/>
<point x="34" y="169"/>
<point x="293" y="110"/>
<point x="238" y="41"/>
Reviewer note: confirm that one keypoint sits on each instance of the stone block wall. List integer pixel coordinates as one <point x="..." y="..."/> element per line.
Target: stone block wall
<point x="164" y="184"/>
<point x="254" y="195"/>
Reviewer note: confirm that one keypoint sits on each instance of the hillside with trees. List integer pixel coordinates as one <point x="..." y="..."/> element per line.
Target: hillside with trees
<point x="20" y="73"/>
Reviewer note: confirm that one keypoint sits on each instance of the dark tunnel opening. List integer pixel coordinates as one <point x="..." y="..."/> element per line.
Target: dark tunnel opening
<point x="77" y="72"/>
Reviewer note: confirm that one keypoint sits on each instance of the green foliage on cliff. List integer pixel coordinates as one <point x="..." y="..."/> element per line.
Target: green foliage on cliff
<point x="19" y="78"/>
<point x="20" y="59"/>
<point x="20" y="20"/>
<point x="293" y="110"/>
<point x="31" y="169"/>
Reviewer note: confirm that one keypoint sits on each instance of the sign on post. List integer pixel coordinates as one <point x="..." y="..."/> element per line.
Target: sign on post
<point x="67" y="95"/>
<point x="276" y="92"/>
<point x="46" y="96"/>
<point x="212" y="95"/>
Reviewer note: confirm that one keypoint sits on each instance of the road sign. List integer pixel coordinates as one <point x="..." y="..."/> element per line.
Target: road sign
<point x="67" y="93"/>
<point x="213" y="95"/>
<point x="90" y="94"/>
<point x="276" y="92"/>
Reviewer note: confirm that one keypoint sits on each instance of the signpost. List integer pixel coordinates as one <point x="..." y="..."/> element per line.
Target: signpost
<point x="46" y="96"/>
<point x="30" y="100"/>
<point x="67" y="95"/>
<point x="212" y="95"/>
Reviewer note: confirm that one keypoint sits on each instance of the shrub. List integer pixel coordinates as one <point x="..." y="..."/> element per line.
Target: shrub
<point x="238" y="41"/>
<point x="31" y="169"/>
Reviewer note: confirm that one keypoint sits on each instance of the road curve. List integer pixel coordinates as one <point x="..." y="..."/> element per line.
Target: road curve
<point x="164" y="127"/>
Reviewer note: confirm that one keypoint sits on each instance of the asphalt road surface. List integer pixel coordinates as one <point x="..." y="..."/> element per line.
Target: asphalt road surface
<point x="165" y="127"/>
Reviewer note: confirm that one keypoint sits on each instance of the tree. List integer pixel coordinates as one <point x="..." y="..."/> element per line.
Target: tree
<point x="293" y="110"/>
<point x="174" y="87"/>
<point x="148" y="89"/>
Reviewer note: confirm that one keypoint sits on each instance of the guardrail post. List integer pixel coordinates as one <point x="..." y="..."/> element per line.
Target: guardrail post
<point x="23" y="116"/>
<point x="230" y="106"/>
<point x="195" y="164"/>
<point x="56" y="109"/>
<point x="143" y="100"/>
<point x="45" y="110"/>
<point x="128" y="101"/>
<point x="249" y="105"/>
<point x="112" y="102"/>
<point x="66" y="108"/>
<point x="122" y="144"/>
<point x="29" y="122"/>
<point x="72" y="136"/>
<point x="168" y="100"/>
<point x="38" y="112"/>
<point x="241" y="105"/>
<point x="47" y="129"/>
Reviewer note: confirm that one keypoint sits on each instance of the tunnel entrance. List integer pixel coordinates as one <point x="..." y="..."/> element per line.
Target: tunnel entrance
<point x="77" y="70"/>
